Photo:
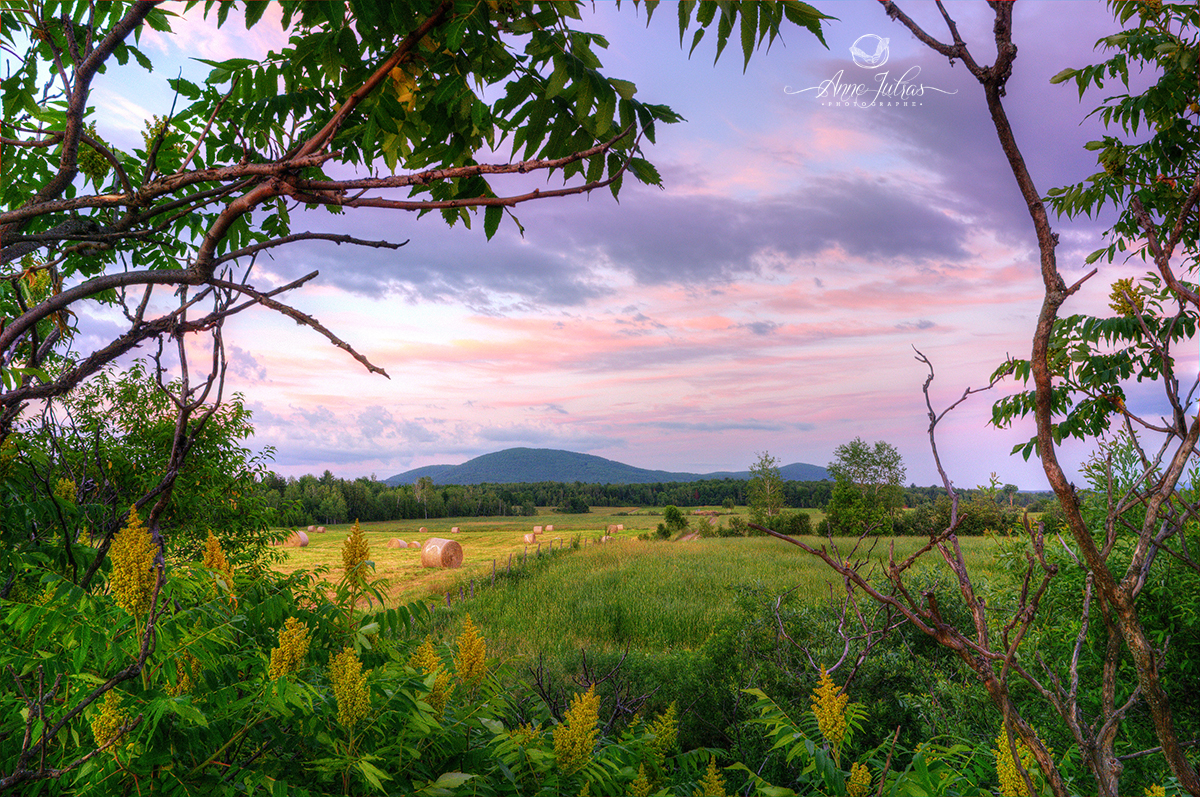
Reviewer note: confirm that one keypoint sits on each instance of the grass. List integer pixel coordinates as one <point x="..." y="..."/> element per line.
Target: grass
<point x="658" y="596"/>
<point x="652" y="595"/>
<point x="484" y="540"/>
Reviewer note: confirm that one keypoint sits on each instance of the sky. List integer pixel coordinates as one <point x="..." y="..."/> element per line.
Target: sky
<point x="768" y="298"/>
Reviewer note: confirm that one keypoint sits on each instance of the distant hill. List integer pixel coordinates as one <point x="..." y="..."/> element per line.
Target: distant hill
<point x="526" y="465"/>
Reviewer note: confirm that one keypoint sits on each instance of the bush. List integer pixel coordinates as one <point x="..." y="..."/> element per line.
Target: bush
<point x="794" y="524"/>
<point x="736" y="528"/>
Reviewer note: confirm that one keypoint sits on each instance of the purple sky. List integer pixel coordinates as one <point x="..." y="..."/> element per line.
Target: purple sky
<point x="767" y="299"/>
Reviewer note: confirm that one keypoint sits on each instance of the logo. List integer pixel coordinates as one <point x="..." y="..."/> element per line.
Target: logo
<point x="869" y="51"/>
<point x="882" y="90"/>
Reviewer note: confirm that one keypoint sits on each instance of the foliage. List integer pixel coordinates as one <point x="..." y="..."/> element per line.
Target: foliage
<point x="674" y="522"/>
<point x="868" y="488"/>
<point x="575" y="505"/>
<point x="107" y="437"/>
<point x="766" y="488"/>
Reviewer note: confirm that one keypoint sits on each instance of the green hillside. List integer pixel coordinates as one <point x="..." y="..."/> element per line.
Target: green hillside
<point x="531" y="465"/>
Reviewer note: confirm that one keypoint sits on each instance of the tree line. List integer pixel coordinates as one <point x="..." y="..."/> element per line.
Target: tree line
<point x="328" y="499"/>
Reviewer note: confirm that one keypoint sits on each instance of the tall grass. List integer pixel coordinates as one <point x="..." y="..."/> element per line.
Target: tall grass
<point x="657" y="596"/>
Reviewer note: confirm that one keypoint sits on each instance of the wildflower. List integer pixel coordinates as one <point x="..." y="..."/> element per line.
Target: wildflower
<point x="640" y="787"/>
<point x="471" y="661"/>
<point x="108" y="725"/>
<point x="712" y="785"/>
<point x="1126" y="299"/>
<point x="349" y="687"/>
<point x="354" y="551"/>
<point x="524" y="734"/>
<point x="666" y="733"/>
<point x="133" y="578"/>
<point x="214" y="559"/>
<point x="575" y="737"/>
<point x="292" y="650"/>
<point x="829" y="704"/>
<point x="426" y="660"/>
<point x="1156" y="791"/>
<point x="859" y="784"/>
<point x="1011" y="782"/>
<point x="187" y="670"/>
<point x="65" y="489"/>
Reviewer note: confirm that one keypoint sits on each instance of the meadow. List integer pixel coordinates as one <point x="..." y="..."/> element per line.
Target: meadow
<point x="654" y="595"/>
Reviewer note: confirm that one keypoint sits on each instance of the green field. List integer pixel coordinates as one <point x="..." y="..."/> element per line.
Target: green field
<point x="656" y="595"/>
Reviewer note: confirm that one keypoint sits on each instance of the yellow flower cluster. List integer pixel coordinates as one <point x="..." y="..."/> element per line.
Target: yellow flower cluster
<point x="859" y="784"/>
<point x="575" y="736"/>
<point x="525" y="734"/>
<point x="349" y="687"/>
<point x="640" y="786"/>
<point x="1011" y="782"/>
<point x="355" y="551"/>
<point x="1156" y="791"/>
<point x="471" y="661"/>
<point x="666" y="733"/>
<point x="132" y="578"/>
<point x="427" y="661"/>
<point x="215" y="560"/>
<point x="106" y="727"/>
<point x="712" y="785"/>
<point x="1126" y="299"/>
<point x="65" y="489"/>
<point x="187" y="670"/>
<point x="292" y="650"/>
<point x="829" y="704"/>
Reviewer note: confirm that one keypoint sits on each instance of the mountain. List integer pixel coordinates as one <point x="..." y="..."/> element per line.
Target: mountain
<point x="525" y="465"/>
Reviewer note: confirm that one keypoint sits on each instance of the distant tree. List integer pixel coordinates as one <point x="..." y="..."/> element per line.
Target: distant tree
<point x="766" y="488"/>
<point x="868" y="490"/>
<point x="873" y="469"/>
<point x="422" y="487"/>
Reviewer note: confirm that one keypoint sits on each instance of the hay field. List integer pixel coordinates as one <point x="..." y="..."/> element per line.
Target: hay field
<point x="483" y="540"/>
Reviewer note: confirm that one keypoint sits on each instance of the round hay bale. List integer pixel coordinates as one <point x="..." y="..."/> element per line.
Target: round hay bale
<point x="537" y="529"/>
<point x="611" y="529"/>
<point x="549" y="529"/>
<point x="606" y="538"/>
<point x="454" y="530"/>
<point x="320" y="529"/>
<point x="620" y="527"/>
<point x="298" y="540"/>
<point x="312" y="529"/>
<point x="437" y="552"/>
<point x="396" y="542"/>
<point x="530" y="539"/>
<point x="423" y="530"/>
<point x="415" y="544"/>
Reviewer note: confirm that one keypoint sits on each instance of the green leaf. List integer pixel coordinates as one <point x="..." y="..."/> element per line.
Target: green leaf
<point x="1066" y="74"/>
<point x="491" y="220"/>
<point x="748" y="29"/>
<point x="624" y="88"/>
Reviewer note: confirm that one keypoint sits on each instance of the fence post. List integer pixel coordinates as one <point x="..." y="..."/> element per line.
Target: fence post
<point x="510" y="563"/>
<point x="447" y="599"/>
<point x="460" y="592"/>
<point x="493" y="571"/>
<point x="472" y="588"/>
